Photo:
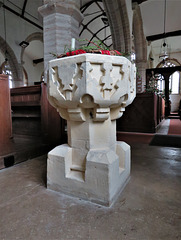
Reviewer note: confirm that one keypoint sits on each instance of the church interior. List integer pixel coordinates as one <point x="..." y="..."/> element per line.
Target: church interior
<point x="37" y="32"/>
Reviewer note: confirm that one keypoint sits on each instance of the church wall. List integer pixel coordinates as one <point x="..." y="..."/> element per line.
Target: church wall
<point x="175" y="98"/>
<point x="17" y="30"/>
<point x="34" y="71"/>
<point x="176" y="55"/>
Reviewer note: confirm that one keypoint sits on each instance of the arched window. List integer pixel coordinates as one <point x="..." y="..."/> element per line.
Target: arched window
<point x="160" y="83"/>
<point x="169" y="62"/>
<point x="174" y="82"/>
<point x="95" y="26"/>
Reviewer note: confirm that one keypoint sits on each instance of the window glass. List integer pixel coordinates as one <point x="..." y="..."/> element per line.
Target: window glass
<point x="6" y="70"/>
<point x="175" y="82"/>
<point x="160" y="82"/>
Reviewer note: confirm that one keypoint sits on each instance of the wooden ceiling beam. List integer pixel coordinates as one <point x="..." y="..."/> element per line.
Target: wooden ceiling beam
<point x="39" y="60"/>
<point x="23" y="9"/>
<point x="23" y="17"/>
<point x="138" y="1"/>
<point x="163" y="35"/>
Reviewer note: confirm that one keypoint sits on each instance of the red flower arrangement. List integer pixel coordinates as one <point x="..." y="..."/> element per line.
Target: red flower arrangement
<point x="99" y="50"/>
<point x="81" y="51"/>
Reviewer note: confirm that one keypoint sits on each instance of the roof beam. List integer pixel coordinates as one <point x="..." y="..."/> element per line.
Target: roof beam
<point x="138" y="1"/>
<point x="39" y="60"/>
<point x="163" y="35"/>
<point x="19" y="15"/>
<point x="24" y="6"/>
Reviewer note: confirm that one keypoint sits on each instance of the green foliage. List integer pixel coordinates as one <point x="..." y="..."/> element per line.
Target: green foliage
<point x="53" y="54"/>
<point x="152" y="87"/>
<point x="90" y="46"/>
<point x="96" y="45"/>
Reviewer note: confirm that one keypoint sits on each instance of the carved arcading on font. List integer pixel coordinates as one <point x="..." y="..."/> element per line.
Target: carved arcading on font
<point x="98" y="86"/>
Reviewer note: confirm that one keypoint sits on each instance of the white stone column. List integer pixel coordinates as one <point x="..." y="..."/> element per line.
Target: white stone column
<point x="61" y="20"/>
<point x="90" y="91"/>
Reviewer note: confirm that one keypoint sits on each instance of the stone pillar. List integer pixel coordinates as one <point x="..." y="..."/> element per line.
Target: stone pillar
<point x="140" y="46"/>
<point x="141" y="76"/>
<point x="61" y="20"/>
<point x="90" y="91"/>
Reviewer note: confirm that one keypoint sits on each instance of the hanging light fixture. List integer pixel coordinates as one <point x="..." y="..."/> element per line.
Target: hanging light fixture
<point x="164" y="51"/>
<point x="24" y="44"/>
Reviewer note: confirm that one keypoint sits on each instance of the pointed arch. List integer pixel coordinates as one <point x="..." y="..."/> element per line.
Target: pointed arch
<point x="140" y="46"/>
<point x="119" y="24"/>
<point x="32" y="37"/>
<point x="138" y="33"/>
<point x="13" y="63"/>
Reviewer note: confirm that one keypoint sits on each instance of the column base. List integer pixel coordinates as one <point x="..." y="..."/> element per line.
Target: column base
<point x="104" y="177"/>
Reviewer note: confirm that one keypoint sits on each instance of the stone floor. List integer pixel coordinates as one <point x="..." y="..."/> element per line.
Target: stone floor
<point x="164" y="127"/>
<point x="149" y="208"/>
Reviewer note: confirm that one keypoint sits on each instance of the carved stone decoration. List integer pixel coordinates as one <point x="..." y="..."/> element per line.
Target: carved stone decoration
<point x="90" y="91"/>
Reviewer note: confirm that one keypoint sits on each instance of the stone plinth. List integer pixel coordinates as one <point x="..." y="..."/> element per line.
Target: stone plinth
<point x="90" y="91"/>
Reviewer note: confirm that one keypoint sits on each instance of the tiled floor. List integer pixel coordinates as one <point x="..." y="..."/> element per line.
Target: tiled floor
<point x="149" y="208"/>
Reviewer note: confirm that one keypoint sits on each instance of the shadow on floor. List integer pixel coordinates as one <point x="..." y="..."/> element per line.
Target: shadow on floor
<point x="166" y="140"/>
<point x="23" y="148"/>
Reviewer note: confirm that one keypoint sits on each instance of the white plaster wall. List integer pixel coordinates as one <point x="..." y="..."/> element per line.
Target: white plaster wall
<point x="175" y="99"/>
<point x="32" y="52"/>
<point x="34" y="72"/>
<point x="17" y="30"/>
<point x="176" y="55"/>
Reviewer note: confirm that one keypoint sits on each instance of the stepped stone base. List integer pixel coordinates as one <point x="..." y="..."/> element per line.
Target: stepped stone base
<point x="104" y="177"/>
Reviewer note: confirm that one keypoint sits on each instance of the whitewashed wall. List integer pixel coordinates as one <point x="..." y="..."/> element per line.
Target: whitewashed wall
<point x="34" y="71"/>
<point x="18" y="30"/>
